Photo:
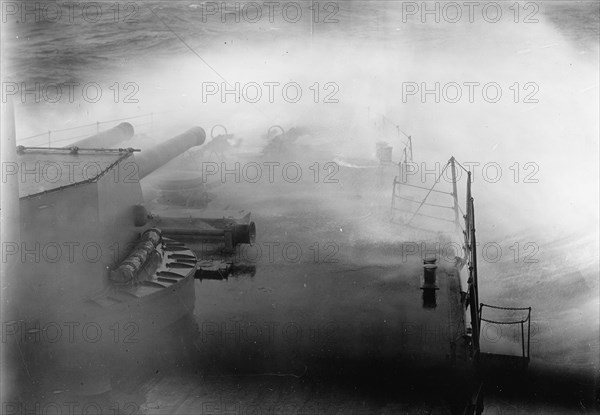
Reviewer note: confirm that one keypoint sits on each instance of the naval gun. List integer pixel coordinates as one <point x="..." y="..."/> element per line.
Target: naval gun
<point x="281" y="141"/>
<point x="86" y="249"/>
<point x="187" y="222"/>
<point x="107" y="138"/>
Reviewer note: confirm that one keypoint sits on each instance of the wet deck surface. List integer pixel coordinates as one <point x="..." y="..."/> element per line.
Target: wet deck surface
<point x="333" y="320"/>
<point x="340" y="328"/>
<point x="273" y="341"/>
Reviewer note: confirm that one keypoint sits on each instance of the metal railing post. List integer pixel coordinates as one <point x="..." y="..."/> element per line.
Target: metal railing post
<point x="454" y="193"/>
<point x="474" y="259"/>
<point x="528" y="331"/>
<point x="523" y="338"/>
<point x="474" y="312"/>
<point x="471" y="246"/>
<point x="466" y="233"/>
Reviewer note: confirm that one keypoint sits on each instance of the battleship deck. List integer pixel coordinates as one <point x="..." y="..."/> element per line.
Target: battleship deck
<point x="339" y="327"/>
<point x="303" y="338"/>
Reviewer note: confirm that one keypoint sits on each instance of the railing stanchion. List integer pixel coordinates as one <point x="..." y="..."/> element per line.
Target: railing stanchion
<point x="474" y="255"/>
<point x="523" y="338"/>
<point x="454" y="193"/>
<point x="528" y="331"/>
<point x="470" y="243"/>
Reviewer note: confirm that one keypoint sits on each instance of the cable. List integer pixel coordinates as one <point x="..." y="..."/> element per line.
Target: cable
<point x="395" y="125"/>
<point x="186" y="44"/>
<point x="83" y="126"/>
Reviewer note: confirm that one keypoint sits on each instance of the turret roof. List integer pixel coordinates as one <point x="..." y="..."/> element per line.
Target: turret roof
<point x="42" y="170"/>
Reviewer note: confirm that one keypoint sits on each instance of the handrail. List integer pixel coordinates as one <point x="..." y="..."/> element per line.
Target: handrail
<point x="521" y="322"/>
<point x="97" y="124"/>
<point x="427" y="195"/>
<point x="426" y="204"/>
<point x="471" y="259"/>
<point x="476" y="308"/>
<point x="470" y="244"/>
<point x="507" y="308"/>
<point x="470" y="254"/>
<point x="455" y="207"/>
<point x="422" y="187"/>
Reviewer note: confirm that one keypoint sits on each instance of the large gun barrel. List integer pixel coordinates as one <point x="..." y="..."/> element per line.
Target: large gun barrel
<point x="241" y="233"/>
<point x="108" y="138"/>
<point x="151" y="159"/>
<point x="231" y="228"/>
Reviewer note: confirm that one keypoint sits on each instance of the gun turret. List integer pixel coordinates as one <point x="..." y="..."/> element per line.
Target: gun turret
<point x="75" y="253"/>
<point x="90" y="196"/>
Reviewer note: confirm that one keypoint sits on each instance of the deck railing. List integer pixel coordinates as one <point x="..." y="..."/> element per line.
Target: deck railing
<point x="468" y="232"/>
<point x="522" y="321"/>
<point x="53" y="137"/>
<point x="472" y="303"/>
<point x="397" y="194"/>
<point x="470" y="246"/>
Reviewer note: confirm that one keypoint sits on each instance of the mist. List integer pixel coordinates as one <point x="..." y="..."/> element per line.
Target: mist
<point x="544" y="140"/>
